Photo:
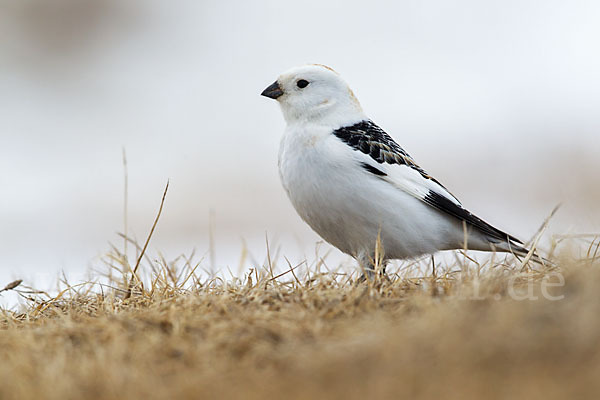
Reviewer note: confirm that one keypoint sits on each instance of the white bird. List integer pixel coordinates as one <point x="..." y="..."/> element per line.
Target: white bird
<point x="356" y="187"/>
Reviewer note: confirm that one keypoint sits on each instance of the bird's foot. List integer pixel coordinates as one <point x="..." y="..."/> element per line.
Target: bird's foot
<point x="372" y="276"/>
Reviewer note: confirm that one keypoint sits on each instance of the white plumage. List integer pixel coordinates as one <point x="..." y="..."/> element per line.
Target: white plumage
<point x="352" y="183"/>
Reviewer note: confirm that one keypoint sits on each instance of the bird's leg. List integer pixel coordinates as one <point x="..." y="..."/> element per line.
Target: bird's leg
<point x="383" y="267"/>
<point x="383" y="273"/>
<point x="365" y="262"/>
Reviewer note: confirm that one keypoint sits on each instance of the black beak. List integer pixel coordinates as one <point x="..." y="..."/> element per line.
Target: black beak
<point x="273" y="91"/>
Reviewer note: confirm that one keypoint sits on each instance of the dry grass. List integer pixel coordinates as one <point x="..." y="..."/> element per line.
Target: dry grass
<point x="459" y="334"/>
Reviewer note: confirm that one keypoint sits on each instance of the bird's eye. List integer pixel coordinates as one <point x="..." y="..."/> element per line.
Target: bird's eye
<point x="302" y="83"/>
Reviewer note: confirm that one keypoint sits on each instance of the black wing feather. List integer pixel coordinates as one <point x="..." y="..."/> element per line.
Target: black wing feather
<point x="444" y="204"/>
<point x="368" y="138"/>
<point x="373" y="170"/>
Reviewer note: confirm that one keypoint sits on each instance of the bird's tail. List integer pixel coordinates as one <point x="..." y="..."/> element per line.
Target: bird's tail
<point x="525" y="255"/>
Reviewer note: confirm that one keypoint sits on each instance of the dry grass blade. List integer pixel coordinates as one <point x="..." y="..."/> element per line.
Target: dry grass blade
<point x="291" y="269"/>
<point x="538" y="236"/>
<point x="544" y="224"/>
<point x="139" y="259"/>
<point x="11" y="285"/>
<point x="125" y="207"/>
<point x="269" y="262"/>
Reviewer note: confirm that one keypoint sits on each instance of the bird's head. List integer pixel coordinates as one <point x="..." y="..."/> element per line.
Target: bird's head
<point x="315" y="93"/>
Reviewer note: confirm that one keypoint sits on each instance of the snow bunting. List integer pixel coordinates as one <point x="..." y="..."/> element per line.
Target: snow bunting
<point x="356" y="187"/>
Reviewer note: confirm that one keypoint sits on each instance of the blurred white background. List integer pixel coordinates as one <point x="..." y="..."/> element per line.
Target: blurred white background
<point x="500" y="100"/>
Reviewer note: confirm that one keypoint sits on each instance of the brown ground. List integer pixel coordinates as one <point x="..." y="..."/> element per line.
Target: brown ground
<point x="320" y="338"/>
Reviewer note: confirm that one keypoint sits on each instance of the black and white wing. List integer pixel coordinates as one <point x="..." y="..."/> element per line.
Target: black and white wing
<point x="399" y="168"/>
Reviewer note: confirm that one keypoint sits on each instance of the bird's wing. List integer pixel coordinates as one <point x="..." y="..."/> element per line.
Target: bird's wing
<point x="383" y="157"/>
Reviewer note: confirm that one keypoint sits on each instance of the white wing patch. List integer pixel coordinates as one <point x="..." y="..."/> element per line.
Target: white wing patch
<point x="412" y="182"/>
